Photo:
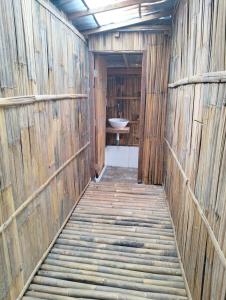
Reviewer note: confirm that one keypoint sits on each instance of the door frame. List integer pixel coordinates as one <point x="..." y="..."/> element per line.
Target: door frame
<point x="93" y="116"/>
<point x="142" y="117"/>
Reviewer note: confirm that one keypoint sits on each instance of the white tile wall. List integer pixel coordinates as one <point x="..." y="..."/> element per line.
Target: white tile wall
<point x="121" y="156"/>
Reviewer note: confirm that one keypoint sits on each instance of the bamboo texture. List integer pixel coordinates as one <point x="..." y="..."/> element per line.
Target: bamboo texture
<point x="157" y="48"/>
<point x="211" y="77"/>
<point x="195" y="151"/>
<point x="21" y="100"/>
<point x="40" y="180"/>
<point x="44" y="133"/>
<point x="50" y="246"/>
<point x="40" y="189"/>
<point x="155" y="107"/>
<point x="40" y="52"/>
<point x="127" y="41"/>
<point x="100" y="93"/>
<point x="110" y="263"/>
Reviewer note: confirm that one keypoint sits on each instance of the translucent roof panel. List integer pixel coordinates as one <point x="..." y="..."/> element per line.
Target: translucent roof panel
<point x="89" y="14"/>
<point x="117" y="15"/>
<point x="70" y="6"/>
<point x="85" y="23"/>
<point x="99" y="3"/>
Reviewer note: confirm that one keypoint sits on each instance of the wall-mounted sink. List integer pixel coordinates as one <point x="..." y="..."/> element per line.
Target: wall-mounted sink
<point x="118" y="122"/>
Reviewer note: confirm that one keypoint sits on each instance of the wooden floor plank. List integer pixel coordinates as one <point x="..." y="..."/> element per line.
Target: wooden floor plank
<point x="118" y="244"/>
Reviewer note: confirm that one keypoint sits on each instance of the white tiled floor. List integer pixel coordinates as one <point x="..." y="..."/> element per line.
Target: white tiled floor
<point x="121" y="156"/>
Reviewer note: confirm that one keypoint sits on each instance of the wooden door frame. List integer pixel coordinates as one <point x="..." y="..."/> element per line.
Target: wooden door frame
<point x="92" y="110"/>
<point x="92" y="116"/>
<point x="93" y="124"/>
<point x="142" y="117"/>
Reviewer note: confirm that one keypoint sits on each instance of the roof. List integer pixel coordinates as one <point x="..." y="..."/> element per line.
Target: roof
<point x="92" y="16"/>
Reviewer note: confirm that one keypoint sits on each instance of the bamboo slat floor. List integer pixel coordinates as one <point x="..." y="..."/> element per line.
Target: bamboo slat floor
<point x="118" y="244"/>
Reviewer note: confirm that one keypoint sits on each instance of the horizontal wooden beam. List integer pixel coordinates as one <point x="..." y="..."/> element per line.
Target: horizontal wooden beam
<point x="22" y="100"/>
<point x="211" y="77"/>
<point x="109" y="7"/>
<point x="199" y="209"/>
<point x="124" y="98"/>
<point x="145" y="28"/>
<point x="116" y="51"/>
<point x="128" y="22"/>
<point x="51" y="244"/>
<point x="120" y="66"/>
<point x="117" y="130"/>
<point x="64" y="2"/>
<point x="57" y="14"/>
<point x="35" y="194"/>
<point x="123" y="71"/>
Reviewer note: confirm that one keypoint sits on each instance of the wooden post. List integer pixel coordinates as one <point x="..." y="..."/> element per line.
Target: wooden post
<point x="142" y="115"/>
<point x="92" y="115"/>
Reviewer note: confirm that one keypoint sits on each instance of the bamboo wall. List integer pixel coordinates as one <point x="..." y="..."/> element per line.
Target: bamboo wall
<point x="156" y="74"/>
<point x="195" y="162"/>
<point x="157" y="63"/>
<point x="44" y="140"/>
<point x="127" y="41"/>
<point x="40" y="52"/>
<point x="123" y="100"/>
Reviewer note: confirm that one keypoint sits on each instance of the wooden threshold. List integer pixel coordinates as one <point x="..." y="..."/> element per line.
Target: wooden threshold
<point x="118" y="244"/>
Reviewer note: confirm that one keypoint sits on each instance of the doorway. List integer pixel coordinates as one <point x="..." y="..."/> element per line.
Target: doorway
<point x="117" y="92"/>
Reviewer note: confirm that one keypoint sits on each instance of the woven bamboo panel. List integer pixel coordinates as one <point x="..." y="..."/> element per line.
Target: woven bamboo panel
<point x="195" y="175"/>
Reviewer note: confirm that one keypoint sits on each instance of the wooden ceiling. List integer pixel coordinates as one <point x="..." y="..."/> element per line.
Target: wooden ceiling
<point x="118" y="14"/>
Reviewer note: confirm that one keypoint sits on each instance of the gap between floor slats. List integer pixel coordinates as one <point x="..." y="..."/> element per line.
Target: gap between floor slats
<point x="118" y="244"/>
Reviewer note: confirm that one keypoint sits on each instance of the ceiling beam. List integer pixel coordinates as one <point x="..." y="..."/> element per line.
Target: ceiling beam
<point x="95" y="19"/>
<point x="145" y="28"/>
<point x="123" y="71"/>
<point x="110" y="27"/>
<point x="109" y="7"/>
<point x="63" y="2"/>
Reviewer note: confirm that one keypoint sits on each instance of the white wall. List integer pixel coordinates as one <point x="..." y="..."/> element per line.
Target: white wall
<point x="121" y="156"/>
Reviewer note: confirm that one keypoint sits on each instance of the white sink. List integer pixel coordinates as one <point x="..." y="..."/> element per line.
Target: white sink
<point x="118" y="122"/>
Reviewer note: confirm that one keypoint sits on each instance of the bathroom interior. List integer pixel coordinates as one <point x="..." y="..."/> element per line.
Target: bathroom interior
<point x="121" y="93"/>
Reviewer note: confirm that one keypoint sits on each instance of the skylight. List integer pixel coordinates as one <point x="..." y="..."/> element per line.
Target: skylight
<point x="118" y="15"/>
<point x="99" y="3"/>
<point x="113" y="16"/>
